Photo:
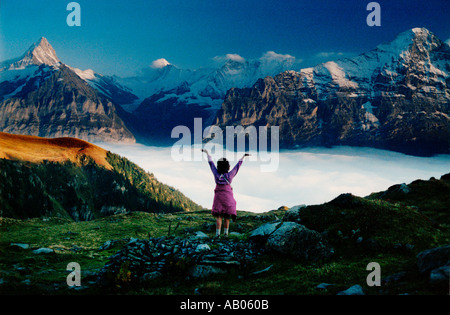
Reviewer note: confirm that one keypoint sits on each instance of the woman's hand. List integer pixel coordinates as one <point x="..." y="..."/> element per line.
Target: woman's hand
<point x="205" y="151"/>
<point x="245" y="155"/>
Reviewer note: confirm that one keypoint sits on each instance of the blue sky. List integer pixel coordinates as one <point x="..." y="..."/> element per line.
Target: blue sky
<point x="122" y="37"/>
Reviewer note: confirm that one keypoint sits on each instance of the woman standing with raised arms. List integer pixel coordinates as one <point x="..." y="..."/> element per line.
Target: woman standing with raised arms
<point x="224" y="204"/>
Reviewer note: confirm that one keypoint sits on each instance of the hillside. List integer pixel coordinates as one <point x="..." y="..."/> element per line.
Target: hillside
<point x="74" y="179"/>
<point x="36" y="149"/>
<point x="147" y="253"/>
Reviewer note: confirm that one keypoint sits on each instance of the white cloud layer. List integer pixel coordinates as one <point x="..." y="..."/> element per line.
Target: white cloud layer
<point x="310" y="176"/>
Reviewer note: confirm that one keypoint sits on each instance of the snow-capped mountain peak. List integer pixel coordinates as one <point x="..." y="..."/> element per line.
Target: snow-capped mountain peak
<point x="41" y="52"/>
<point x="419" y="37"/>
<point x="417" y="50"/>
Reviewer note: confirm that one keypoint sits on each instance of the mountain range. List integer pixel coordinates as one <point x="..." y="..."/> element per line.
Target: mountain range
<point x="394" y="97"/>
<point x="41" y="96"/>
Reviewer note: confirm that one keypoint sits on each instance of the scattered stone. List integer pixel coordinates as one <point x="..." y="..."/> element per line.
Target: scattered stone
<point x="26" y="281"/>
<point x="324" y="286"/>
<point x="393" y="278"/>
<point x="204" y="271"/>
<point x="440" y="275"/>
<point x="353" y="290"/>
<point x="299" y="242"/>
<point x="200" y="234"/>
<point x="293" y="214"/>
<point x="43" y="251"/>
<point x="399" y="188"/>
<point x="262" y="271"/>
<point x="21" y="245"/>
<point x="107" y="245"/>
<point x="430" y="259"/>
<point x="202" y="247"/>
<point x="144" y="259"/>
<point x="264" y="231"/>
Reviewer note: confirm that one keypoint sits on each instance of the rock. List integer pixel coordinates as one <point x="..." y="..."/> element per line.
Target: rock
<point x="293" y="214"/>
<point x="264" y="230"/>
<point x="21" y="245"/>
<point x="324" y="286"/>
<point x="26" y="282"/>
<point x="182" y="256"/>
<point x="262" y="271"/>
<point x="440" y="275"/>
<point x="299" y="242"/>
<point x="393" y="278"/>
<point x="202" y="248"/>
<point x="353" y="290"/>
<point x="112" y="210"/>
<point x="430" y="259"/>
<point x="403" y="188"/>
<point x="204" y="271"/>
<point x="106" y="245"/>
<point x="200" y="235"/>
<point x="43" y="251"/>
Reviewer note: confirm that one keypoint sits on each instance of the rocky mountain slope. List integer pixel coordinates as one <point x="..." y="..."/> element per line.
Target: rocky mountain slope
<point x="394" y="97"/>
<point x="71" y="178"/>
<point x="170" y="96"/>
<point x="41" y="96"/>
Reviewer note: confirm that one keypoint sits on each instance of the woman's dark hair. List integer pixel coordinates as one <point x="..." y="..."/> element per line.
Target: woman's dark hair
<point x="223" y="166"/>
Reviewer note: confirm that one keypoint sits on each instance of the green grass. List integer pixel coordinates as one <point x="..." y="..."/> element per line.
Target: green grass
<point x="389" y="224"/>
<point x="399" y="225"/>
<point x="24" y="272"/>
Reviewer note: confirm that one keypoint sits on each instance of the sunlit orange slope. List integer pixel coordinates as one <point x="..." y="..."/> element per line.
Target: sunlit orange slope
<point x="37" y="149"/>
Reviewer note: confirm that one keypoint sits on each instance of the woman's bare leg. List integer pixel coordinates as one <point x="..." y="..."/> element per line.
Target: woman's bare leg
<point x="226" y="226"/>
<point x="218" y="225"/>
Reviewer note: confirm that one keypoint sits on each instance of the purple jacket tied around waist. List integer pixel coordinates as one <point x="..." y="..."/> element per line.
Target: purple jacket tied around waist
<point x="224" y="202"/>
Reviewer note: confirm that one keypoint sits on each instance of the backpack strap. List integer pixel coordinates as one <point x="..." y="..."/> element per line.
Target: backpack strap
<point x="225" y="180"/>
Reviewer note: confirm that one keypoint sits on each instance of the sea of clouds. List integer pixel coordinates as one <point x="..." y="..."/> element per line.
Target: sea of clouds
<point x="307" y="176"/>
